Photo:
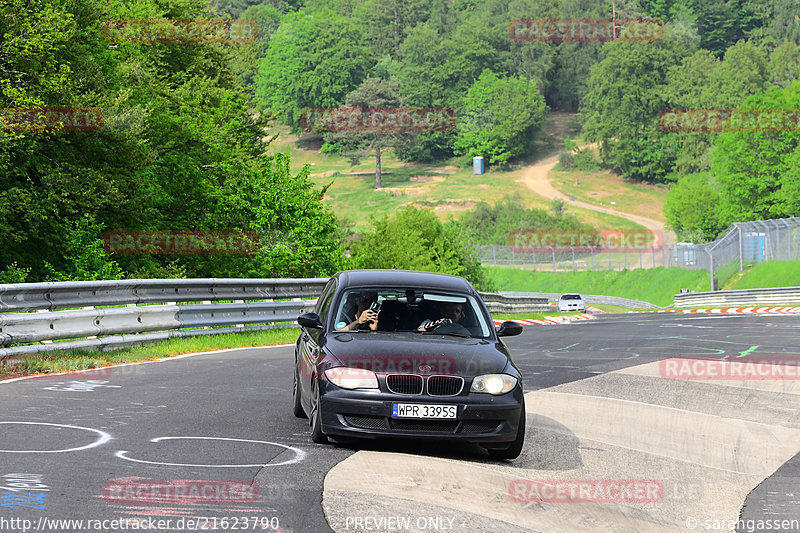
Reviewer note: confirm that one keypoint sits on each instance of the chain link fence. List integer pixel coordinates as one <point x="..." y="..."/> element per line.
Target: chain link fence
<point x="743" y="243"/>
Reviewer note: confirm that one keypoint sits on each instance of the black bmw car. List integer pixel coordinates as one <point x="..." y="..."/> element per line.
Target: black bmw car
<point x="391" y="353"/>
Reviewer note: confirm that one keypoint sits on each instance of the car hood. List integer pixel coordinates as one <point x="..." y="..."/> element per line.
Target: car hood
<point x="415" y="353"/>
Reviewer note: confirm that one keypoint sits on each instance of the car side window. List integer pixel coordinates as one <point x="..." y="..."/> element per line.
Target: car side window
<point x="324" y="304"/>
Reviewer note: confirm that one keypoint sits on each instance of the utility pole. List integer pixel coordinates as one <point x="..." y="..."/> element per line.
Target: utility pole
<point x="614" y="18"/>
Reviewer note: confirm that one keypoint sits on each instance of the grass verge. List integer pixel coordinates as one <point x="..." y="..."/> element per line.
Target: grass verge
<point x="55" y="362"/>
<point x="770" y="274"/>
<point x="528" y="316"/>
<point x="604" y="187"/>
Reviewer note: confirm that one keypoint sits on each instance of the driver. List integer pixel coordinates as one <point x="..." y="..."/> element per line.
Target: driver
<point x="449" y="311"/>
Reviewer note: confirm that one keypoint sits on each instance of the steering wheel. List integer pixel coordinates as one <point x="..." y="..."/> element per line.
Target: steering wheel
<point x="449" y="326"/>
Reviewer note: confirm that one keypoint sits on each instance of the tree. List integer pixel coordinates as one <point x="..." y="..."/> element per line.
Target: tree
<point x="178" y="150"/>
<point x="414" y="239"/>
<point x="757" y="170"/>
<point x="499" y="117"/>
<point x="373" y="93"/>
<point x="622" y="105"/>
<point x="385" y="23"/>
<point x="691" y="208"/>
<point x="784" y="64"/>
<point x="315" y="59"/>
<point x="703" y="81"/>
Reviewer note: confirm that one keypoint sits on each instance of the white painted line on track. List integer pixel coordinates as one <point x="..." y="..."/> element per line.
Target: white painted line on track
<point x="103" y="438"/>
<point x="181" y="356"/>
<point x="299" y="454"/>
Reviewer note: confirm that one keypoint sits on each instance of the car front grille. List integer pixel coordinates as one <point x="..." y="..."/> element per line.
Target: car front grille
<point x="366" y="422"/>
<point x="445" y="385"/>
<point x="479" y="426"/>
<point x="439" y="426"/>
<point x="404" y="383"/>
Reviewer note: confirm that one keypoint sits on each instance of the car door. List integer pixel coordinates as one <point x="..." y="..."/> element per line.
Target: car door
<point x="310" y="351"/>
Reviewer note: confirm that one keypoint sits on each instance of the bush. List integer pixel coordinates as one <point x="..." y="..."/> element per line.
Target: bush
<point x="414" y="239"/>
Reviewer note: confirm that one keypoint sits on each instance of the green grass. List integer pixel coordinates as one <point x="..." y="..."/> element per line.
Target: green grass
<point x="446" y="188"/>
<point x="55" y="362"/>
<point x="655" y="285"/>
<point x="603" y="187"/>
<point x="770" y="274"/>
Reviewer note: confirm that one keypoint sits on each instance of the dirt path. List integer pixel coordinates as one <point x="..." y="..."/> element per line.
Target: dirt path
<point x="535" y="178"/>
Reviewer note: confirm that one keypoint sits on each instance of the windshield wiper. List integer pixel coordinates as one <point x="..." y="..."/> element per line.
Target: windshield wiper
<point x="446" y="333"/>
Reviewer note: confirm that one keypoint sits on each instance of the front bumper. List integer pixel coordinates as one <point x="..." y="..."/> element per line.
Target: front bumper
<point x="481" y="418"/>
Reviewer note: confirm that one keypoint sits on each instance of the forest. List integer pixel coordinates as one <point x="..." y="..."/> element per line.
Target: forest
<point x="186" y="125"/>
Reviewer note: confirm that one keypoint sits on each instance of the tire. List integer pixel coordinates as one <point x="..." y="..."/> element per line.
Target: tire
<point x="513" y="451"/>
<point x="317" y="435"/>
<point x="297" y="406"/>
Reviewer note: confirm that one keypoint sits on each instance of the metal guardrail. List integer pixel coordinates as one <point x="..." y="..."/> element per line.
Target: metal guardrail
<point x="114" y="314"/>
<point x="588" y="298"/>
<point x="742" y="297"/>
<point x="61" y="295"/>
<point x="151" y="310"/>
<point x="146" y="310"/>
<point x="500" y="303"/>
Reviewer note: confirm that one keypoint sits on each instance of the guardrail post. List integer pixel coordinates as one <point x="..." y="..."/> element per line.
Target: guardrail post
<point x="711" y="267"/>
<point x="741" y="251"/>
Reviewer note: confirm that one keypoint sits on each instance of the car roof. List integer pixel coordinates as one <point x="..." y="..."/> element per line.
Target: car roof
<point x="402" y="278"/>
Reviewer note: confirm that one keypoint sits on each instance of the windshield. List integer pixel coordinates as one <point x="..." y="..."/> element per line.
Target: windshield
<point x="410" y="310"/>
<point x="571" y="297"/>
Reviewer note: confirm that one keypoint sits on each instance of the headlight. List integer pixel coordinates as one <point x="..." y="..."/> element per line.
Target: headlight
<point x="352" y="378"/>
<point x="493" y="384"/>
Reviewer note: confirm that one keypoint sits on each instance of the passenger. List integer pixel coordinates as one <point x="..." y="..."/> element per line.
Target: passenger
<point x="366" y="317"/>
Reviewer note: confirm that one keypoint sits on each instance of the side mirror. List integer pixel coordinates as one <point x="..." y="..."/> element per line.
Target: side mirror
<point x="509" y="328"/>
<point x="310" y="320"/>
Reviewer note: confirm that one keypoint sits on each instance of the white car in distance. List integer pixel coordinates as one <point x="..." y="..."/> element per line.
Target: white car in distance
<point x="571" y="302"/>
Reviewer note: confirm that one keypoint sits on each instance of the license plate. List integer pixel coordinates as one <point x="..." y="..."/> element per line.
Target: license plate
<point x="421" y="410"/>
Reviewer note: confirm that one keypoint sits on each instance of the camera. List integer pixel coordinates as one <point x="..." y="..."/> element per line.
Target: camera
<point x="376" y="306"/>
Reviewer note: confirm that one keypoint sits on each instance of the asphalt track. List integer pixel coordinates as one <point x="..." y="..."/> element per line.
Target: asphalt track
<point x="595" y="403"/>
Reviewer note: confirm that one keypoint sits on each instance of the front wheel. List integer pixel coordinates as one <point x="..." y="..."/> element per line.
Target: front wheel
<point x="297" y="407"/>
<point x="316" y="421"/>
<point x="513" y="451"/>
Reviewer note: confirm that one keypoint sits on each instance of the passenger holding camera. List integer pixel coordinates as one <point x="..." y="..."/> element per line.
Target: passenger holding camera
<point x="366" y="314"/>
